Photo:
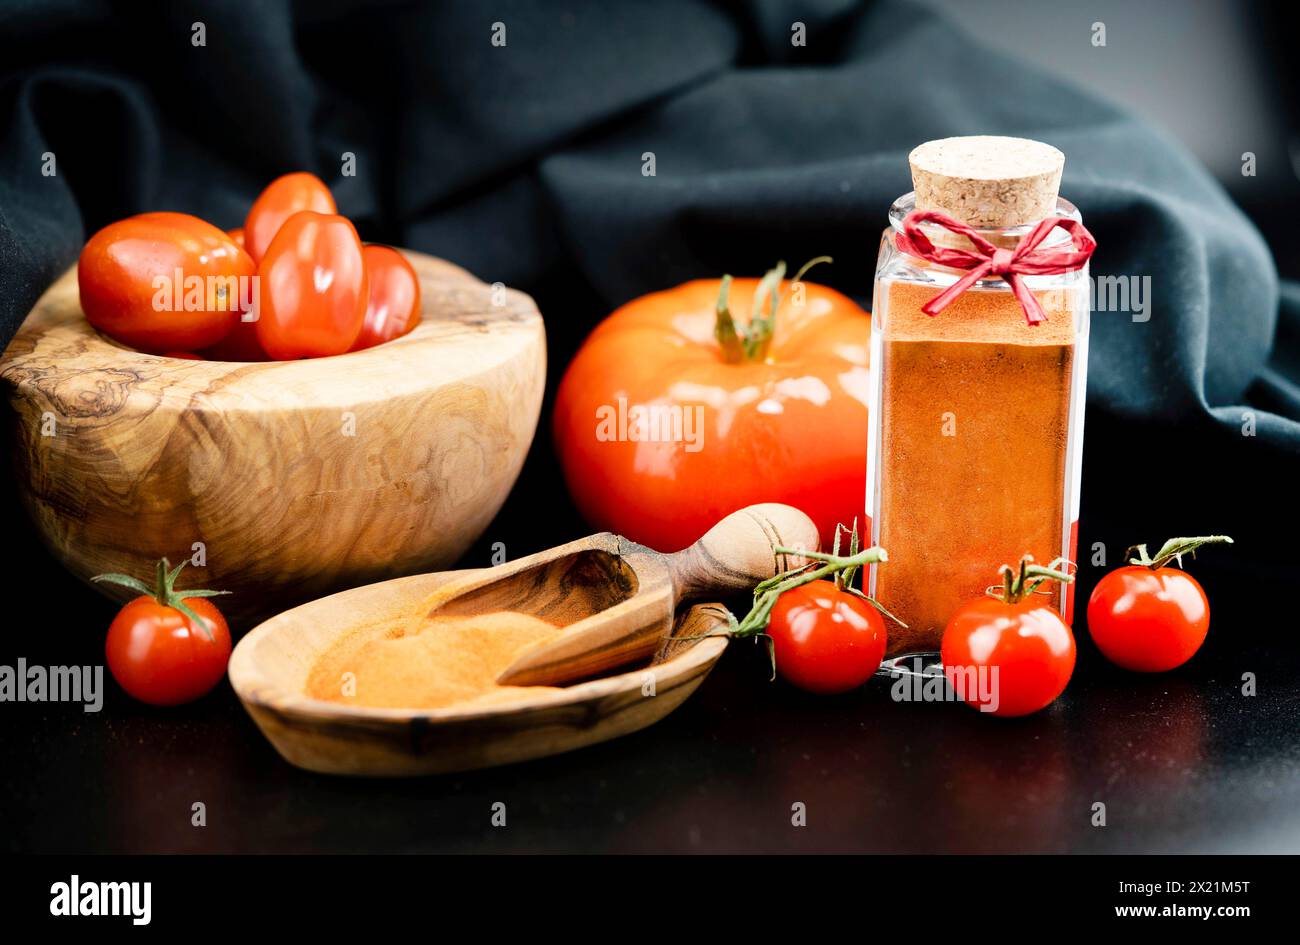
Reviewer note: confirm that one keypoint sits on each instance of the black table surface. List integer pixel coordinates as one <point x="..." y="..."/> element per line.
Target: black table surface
<point x="1183" y="762"/>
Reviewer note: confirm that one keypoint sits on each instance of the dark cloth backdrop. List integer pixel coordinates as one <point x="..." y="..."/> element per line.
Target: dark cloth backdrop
<point x="523" y="162"/>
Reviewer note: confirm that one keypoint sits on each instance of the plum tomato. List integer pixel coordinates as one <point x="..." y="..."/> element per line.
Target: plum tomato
<point x="164" y="281"/>
<point x="281" y="199"/>
<point x="312" y="288"/>
<point x="393" y="306"/>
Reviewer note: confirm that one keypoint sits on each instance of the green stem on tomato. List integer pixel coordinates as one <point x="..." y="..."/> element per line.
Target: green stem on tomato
<point x="164" y="591"/>
<point x="1173" y="549"/>
<point x="767" y="593"/>
<point x="752" y="342"/>
<point x="819" y="566"/>
<point x="1019" y="582"/>
<point x="724" y="329"/>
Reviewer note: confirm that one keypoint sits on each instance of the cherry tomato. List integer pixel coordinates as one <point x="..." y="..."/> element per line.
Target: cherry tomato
<point x="826" y="640"/>
<point x="312" y="288"/>
<point x="159" y="653"/>
<point x="393" y="307"/>
<point x="281" y="199"/>
<point x="159" y="656"/>
<point x="163" y="281"/>
<point x="714" y="434"/>
<point x="184" y="355"/>
<point x="1027" y="643"/>
<point x="1148" y="620"/>
<point x="237" y="234"/>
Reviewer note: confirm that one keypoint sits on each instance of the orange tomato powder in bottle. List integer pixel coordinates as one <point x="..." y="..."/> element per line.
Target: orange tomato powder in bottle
<point x="976" y="420"/>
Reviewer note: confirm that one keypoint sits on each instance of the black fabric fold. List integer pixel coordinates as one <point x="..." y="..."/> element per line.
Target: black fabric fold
<point x="524" y="163"/>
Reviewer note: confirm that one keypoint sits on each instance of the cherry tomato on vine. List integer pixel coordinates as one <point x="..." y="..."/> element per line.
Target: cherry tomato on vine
<point x="313" y="288"/>
<point x="166" y="647"/>
<point x="281" y="199"/>
<point x="1148" y="617"/>
<point x="824" y="639"/>
<point x="393" y="306"/>
<point x="1010" y="655"/>
<point x="163" y="281"/>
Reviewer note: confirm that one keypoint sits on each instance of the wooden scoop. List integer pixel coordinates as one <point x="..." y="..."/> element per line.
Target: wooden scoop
<point x="616" y="598"/>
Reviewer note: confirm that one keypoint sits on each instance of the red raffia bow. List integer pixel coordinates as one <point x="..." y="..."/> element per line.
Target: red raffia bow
<point x="1025" y="260"/>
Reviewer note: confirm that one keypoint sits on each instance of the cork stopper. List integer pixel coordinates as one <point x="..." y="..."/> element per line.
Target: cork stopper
<point x="986" y="181"/>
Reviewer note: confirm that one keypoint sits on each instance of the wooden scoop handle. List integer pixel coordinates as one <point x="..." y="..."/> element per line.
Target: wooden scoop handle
<point x="732" y="557"/>
<point x="740" y="551"/>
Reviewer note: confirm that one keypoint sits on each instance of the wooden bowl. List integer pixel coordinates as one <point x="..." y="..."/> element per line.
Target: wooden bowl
<point x="292" y="479"/>
<point x="270" y="667"/>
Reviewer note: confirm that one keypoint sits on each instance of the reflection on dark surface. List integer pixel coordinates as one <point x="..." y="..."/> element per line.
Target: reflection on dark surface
<point x="1168" y="756"/>
<point x="1183" y="761"/>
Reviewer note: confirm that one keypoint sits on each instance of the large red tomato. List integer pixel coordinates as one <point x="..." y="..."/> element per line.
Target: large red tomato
<point x="661" y="433"/>
<point x="164" y="281"/>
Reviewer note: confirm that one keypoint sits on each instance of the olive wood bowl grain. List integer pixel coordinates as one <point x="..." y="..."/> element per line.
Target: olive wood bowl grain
<point x="298" y="478"/>
<point x="270" y="667"/>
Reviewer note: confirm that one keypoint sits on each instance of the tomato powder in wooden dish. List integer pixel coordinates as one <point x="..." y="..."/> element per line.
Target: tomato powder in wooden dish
<point x="441" y="662"/>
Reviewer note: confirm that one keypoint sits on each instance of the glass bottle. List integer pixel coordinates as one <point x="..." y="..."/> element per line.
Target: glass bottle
<point x="976" y="417"/>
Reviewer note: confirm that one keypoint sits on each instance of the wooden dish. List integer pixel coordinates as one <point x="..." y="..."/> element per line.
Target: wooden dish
<point x="270" y="667"/>
<point x="298" y="477"/>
